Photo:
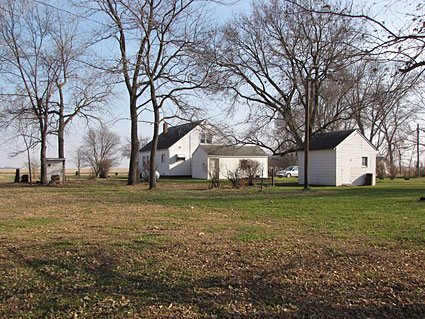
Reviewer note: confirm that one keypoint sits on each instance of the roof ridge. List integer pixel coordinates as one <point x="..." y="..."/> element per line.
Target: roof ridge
<point x="350" y="130"/>
<point x="328" y="140"/>
<point x="174" y="134"/>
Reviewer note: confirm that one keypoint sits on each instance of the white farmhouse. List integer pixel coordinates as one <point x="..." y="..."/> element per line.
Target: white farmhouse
<point x="177" y="145"/>
<point x="220" y="160"/>
<point x="339" y="158"/>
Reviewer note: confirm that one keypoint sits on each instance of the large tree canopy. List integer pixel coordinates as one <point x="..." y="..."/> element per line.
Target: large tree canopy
<point x="266" y="58"/>
<point x="157" y="42"/>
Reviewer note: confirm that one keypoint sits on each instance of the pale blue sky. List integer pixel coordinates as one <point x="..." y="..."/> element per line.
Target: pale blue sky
<point x="118" y="122"/>
<point x="122" y="126"/>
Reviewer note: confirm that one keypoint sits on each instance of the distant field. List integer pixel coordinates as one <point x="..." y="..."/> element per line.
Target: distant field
<point x="101" y="249"/>
<point x="8" y="175"/>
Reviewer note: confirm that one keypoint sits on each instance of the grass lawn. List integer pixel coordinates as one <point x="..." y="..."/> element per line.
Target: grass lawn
<point x="101" y="249"/>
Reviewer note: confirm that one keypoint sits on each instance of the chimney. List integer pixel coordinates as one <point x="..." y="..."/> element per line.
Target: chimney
<point x="165" y="128"/>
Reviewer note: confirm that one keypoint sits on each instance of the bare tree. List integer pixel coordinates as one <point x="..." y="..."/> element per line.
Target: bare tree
<point x="365" y="99"/>
<point x="24" y="130"/>
<point x="159" y="71"/>
<point x="377" y="95"/>
<point x="33" y="166"/>
<point x="45" y="56"/>
<point x="25" y="36"/>
<point x="78" y="159"/>
<point x="129" y="35"/>
<point x="396" y="131"/>
<point x="250" y="169"/>
<point x="81" y="88"/>
<point x="235" y="177"/>
<point x="404" y="45"/>
<point x="383" y="105"/>
<point x="265" y="59"/>
<point x="126" y="148"/>
<point x="100" y="148"/>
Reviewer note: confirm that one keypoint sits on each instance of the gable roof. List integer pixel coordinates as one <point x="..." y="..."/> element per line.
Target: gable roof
<point x="175" y="133"/>
<point x="330" y="140"/>
<point x="233" y="150"/>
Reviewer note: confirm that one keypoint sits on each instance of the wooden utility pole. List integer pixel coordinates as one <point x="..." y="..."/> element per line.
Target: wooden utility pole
<point x="307" y="133"/>
<point x="418" y="173"/>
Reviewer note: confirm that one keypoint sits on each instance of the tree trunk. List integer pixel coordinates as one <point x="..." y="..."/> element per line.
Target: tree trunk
<point x="27" y="146"/>
<point x="393" y="172"/>
<point x="43" y="163"/>
<point x="134" y="153"/>
<point x="29" y="166"/>
<point x="61" y="130"/>
<point x="61" y="143"/>
<point x="152" y="171"/>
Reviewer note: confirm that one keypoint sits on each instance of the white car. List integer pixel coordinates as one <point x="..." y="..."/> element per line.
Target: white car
<point x="291" y="171"/>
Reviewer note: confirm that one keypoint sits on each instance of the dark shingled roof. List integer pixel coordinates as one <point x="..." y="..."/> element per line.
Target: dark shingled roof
<point x="174" y="134"/>
<point x="329" y="140"/>
<point x="233" y="150"/>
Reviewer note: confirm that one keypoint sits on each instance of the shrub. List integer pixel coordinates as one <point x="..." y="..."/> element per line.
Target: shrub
<point x="104" y="167"/>
<point x="393" y="171"/>
<point x="215" y="180"/>
<point x="235" y="178"/>
<point x="250" y="169"/>
<point x="380" y="169"/>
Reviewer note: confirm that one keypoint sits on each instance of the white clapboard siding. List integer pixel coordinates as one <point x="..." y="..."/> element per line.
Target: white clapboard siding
<point x="230" y="164"/>
<point x="341" y="165"/>
<point x="174" y="165"/>
<point x="321" y="167"/>
<point x="349" y="157"/>
<point x="177" y="159"/>
<point x="227" y="164"/>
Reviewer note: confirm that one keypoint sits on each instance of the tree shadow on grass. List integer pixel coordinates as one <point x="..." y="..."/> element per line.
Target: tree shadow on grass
<point x="98" y="282"/>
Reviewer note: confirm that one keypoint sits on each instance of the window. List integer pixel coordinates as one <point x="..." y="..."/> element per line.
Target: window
<point x="162" y="158"/>
<point x="206" y="138"/>
<point x="364" y="162"/>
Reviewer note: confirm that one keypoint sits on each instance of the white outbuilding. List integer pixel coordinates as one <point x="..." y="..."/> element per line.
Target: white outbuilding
<point x="55" y="168"/>
<point x="339" y="158"/>
<point x="222" y="160"/>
